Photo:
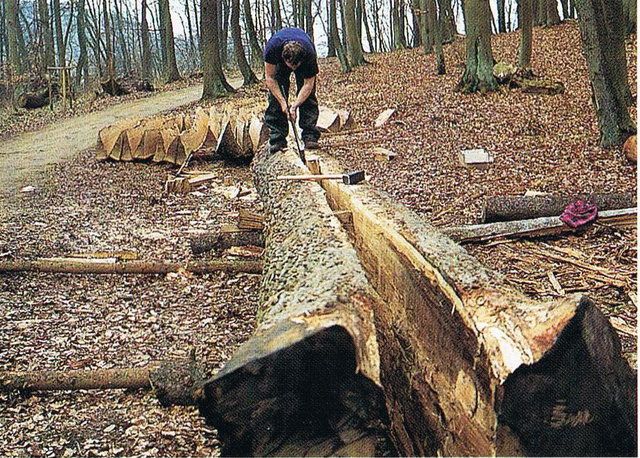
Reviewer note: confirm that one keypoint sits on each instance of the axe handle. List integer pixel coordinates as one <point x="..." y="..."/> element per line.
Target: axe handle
<point x="309" y="177"/>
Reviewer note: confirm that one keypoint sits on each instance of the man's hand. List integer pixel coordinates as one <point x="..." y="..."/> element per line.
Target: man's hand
<point x="292" y="113"/>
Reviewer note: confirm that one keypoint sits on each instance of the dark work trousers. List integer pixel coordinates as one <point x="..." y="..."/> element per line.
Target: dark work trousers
<point x="308" y="112"/>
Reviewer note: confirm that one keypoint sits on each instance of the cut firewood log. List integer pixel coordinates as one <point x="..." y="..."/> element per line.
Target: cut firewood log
<point x="110" y="138"/>
<point x="258" y="132"/>
<point x="228" y="146"/>
<point x="328" y="120"/>
<point x="78" y="266"/>
<point x="346" y="120"/>
<point x="384" y="117"/>
<point x="470" y="366"/>
<point x="250" y="220"/>
<point x="537" y="227"/>
<point x="193" y="138"/>
<point x="512" y="208"/>
<point x="307" y="382"/>
<point x="151" y="144"/>
<point x="173" y="381"/>
<point x="135" y="136"/>
<point x="537" y="85"/>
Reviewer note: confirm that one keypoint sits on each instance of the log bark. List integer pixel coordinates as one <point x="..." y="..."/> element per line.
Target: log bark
<point x="513" y="208"/>
<point x="203" y="243"/>
<point x="537" y="227"/>
<point x="79" y="266"/>
<point x="308" y="381"/>
<point x="174" y="381"/>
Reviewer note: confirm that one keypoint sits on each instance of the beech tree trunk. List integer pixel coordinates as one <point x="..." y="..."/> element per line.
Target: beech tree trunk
<point x="49" y="59"/>
<point x="447" y="21"/>
<point x="276" y="16"/>
<point x="147" y="68"/>
<point x="478" y="73"/>
<point x="525" y="21"/>
<point x="256" y="48"/>
<point x="354" y="46"/>
<point x="630" y="11"/>
<point x="502" y="23"/>
<point x="214" y="82"/>
<point x="247" y="73"/>
<point x="171" y="67"/>
<point x="335" y="38"/>
<point x="57" y="18"/>
<point x="601" y="28"/>
<point x="11" y="18"/>
<point x="82" y="70"/>
<point x="434" y="26"/>
<point x="111" y="67"/>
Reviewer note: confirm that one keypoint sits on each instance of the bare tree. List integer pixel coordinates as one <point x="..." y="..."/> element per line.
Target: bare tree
<point x="11" y="19"/>
<point x="356" y="57"/>
<point x="146" y="44"/>
<point x="434" y="26"/>
<point x="256" y="48"/>
<point x="57" y="17"/>
<point x="526" y="29"/>
<point x="170" y="65"/>
<point x="241" y="59"/>
<point x="82" y="69"/>
<point x="478" y="73"/>
<point x="603" y="45"/>
<point x="47" y="34"/>
<point x="502" y="27"/>
<point x="214" y="82"/>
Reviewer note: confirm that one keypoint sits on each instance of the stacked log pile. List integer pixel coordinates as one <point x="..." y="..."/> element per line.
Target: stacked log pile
<point x="231" y="133"/>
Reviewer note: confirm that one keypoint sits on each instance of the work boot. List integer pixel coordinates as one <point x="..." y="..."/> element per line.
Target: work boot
<point x="311" y="144"/>
<point x="277" y="146"/>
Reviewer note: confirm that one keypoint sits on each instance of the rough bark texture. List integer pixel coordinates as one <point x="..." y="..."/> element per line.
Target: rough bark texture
<point x="206" y="242"/>
<point x="511" y="208"/>
<point x="463" y="353"/>
<point x="11" y="19"/>
<point x="47" y="34"/>
<point x="308" y="381"/>
<point x="601" y="27"/>
<point x="147" y="70"/>
<point x="478" y="73"/>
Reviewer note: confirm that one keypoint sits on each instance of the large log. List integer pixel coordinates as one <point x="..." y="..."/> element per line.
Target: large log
<point x="467" y="364"/>
<point x="512" y="208"/>
<point x="537" y="227"/>
<point x="308" y="381"/>
<point x="173" y="381"/>
<point x="471" y="366"/>
<point x="80" y="266"/>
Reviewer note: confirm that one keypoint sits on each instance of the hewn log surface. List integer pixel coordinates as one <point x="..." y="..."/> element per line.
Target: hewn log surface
<point x="172" y="380"/>
<point x="512" y="208"/>
<point x="308" y="381"/>
<point x="472" y="367"/>
<point x="80" y="266"/>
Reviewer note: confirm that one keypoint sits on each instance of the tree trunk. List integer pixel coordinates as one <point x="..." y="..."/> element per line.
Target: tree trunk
<point x="603" y="48"/>
<point x="57" y="17"/>
<point x="553" y="17"/>
<point x="11" y="18"/>
<point x="83" y="61"/>
<point x="171" y="67"/>
<point x="187" y="13"/>
<point x="123" y="42"/>
<point x="478" y="73"/>
<point x="247" y="73"/>
<point x="335" y="38"/>
<point x="223" y="30"/>
<point x="434" y="25"/>
<point x="425" y="26"/>
<point x="502" y="27"/>
<point x="354" y="47"/>
<point x="256" y="48"/>
<point x="111" y="67"/>
<point x="276" y="16"/>
<point x="525" y="22"/>
<point x="147" y="67"/>
<point x="49" y="59"/>
<point x="214" y="82"/>
<point x="308" y="10"/>
<point x="565" y="9"/>
<point x="399" y="40"/>
<point x="447" y="21"/>
<point x="510" y="208"/>
<point x="331" y="49"/>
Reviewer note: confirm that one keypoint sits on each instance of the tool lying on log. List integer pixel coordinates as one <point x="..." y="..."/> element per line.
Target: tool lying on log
<point x="354" y="177"/>
<point x="293" y="127"/>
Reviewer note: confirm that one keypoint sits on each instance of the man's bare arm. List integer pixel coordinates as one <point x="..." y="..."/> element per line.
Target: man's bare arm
<point x="274" y="87"/>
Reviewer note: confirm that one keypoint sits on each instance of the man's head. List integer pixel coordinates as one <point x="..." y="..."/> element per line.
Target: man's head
<point x="292" y="54"/>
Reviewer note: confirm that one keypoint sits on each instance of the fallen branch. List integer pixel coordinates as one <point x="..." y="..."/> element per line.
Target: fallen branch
<point x="77" y="266"/>
<point x="537" y="227"/>
<point x="514" y="208"/>
<point x="173" y="381"/>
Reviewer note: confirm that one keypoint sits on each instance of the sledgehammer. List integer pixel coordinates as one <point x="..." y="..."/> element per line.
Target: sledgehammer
<point x="354" y="177"/>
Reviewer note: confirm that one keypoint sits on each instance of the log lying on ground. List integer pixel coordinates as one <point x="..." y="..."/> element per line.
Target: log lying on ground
<point x="173" y="381"/>
<point x="513" y="208"/>
<point x="308" y="381"/>
<point x="227" y="238"/>
<point x="472" y="367"/>
<point x="537" y="227"/>
<point x="113" y="87"/>
<point x="32" y="100"/>
<point x="79" y="266"/>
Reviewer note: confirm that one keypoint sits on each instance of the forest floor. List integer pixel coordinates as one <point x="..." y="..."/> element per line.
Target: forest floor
<point x="540" y="143"/>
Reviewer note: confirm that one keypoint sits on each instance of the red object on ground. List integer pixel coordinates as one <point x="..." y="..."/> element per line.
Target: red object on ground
<point x="579" y="213"/>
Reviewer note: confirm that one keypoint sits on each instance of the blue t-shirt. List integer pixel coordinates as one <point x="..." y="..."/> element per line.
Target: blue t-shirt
<point x="273" y="50"/>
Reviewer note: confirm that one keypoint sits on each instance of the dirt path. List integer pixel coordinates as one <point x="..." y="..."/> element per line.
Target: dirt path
<point x="33" y="151"/>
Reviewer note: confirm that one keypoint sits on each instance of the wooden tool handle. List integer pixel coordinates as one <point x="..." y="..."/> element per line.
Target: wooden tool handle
<point x="309" y="177"/>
